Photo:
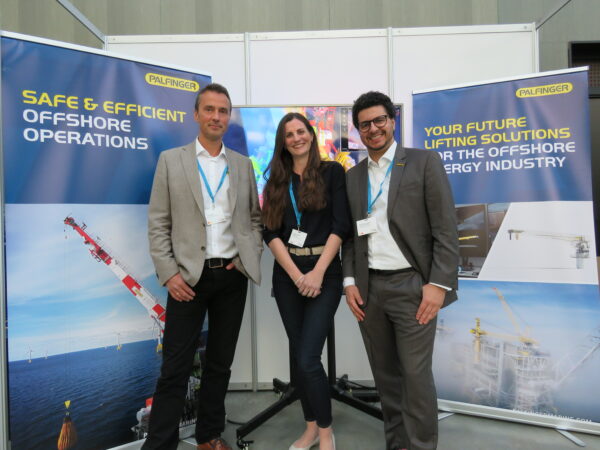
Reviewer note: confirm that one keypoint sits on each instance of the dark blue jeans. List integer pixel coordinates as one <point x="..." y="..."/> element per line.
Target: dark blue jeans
<point x="307" y="322"/>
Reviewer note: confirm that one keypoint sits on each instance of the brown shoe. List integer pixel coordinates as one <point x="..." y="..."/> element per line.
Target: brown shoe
<point x="215" y="444"/>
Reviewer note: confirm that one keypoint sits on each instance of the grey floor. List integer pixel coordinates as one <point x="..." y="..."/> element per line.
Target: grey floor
<point x="355" y="430"/>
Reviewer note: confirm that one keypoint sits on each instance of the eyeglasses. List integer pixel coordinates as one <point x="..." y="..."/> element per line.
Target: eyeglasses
<point x="378" y="121"/>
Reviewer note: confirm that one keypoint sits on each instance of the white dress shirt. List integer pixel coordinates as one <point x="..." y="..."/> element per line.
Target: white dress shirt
<point x="219" y="238"/>
<point x="384" y="253"/>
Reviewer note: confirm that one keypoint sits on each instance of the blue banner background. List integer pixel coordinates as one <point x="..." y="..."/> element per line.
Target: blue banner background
<point x="523" y="335"/>
<point x="75" y="331"/>
<point x="497" y="101"/>
<point x="50" y="172"/>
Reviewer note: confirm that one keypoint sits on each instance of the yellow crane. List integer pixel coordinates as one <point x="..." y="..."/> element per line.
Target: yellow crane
<point x="520" y="336"/>
<point x="523" y="336"/>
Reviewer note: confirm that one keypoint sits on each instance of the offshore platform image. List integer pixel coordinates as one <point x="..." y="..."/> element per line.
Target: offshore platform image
<point x="513" y="371"/>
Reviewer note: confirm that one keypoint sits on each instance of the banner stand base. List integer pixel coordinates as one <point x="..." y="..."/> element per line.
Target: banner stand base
<point x="573" y="439"/>
<point x="560" y="424"/>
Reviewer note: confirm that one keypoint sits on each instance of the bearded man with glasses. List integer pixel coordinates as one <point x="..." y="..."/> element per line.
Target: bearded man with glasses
<point x="400" y="268"/>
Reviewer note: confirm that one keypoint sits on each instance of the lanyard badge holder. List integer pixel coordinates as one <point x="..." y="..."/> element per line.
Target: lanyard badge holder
<point x="369" y="225"/>
<point x="297" y="238"/>
<point x="214" y="214"/>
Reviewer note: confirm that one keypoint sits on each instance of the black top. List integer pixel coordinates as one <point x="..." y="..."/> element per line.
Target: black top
<point x="334" y="218"/>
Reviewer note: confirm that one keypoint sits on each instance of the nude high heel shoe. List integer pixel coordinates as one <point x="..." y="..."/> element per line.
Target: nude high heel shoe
<point x="311" y="445"/>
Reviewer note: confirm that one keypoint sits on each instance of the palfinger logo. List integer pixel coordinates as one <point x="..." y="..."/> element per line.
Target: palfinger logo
<point x="156" y="79"/>
<point x="547" y="89"/>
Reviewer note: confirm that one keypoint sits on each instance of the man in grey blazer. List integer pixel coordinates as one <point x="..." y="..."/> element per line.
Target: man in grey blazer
<point x="205" y="240"/>
<point x="400" y="268"/>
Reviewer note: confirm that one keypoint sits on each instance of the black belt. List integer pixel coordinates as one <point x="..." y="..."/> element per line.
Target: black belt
<point x="390" y="272"/>
<point x="216" y="263"/>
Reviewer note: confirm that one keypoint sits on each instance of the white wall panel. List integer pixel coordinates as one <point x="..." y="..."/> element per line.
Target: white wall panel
<point x="316" y="71"/>
<point x="351" y="356"/>
<point x="223" y="59"/>
<point x="428" y="58"/>
<point x="272" y="343"/>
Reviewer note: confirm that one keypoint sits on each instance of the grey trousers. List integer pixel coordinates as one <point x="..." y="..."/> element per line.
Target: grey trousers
<point x="400" y="353"/>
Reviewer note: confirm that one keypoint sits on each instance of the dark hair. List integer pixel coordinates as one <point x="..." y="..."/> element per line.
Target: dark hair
<point x="278" y="174"/>
<point x="214" y="87"/>
<point x="369" y="99"/>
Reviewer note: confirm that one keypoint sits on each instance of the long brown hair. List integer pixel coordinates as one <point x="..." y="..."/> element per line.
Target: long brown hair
<point x="311" y="192"/>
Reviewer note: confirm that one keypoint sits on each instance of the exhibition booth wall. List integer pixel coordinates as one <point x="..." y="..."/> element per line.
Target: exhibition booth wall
<point x="334" y="68"/>
<point x="267" y="74"/>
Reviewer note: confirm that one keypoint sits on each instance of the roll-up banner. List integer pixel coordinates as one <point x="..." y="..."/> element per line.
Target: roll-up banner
<point x="524" y="336"/>
<point x="82" y="131"/>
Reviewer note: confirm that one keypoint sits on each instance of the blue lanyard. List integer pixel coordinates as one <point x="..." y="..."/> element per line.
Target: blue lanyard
<point x="370" y="202"/>
<point x="298" y="213"/>
<point x="208" y="189"/>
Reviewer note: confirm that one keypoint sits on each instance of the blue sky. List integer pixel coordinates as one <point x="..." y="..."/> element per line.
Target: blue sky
<point x="59" y="298"/>
<point x="558" y="315"/>
<point x="561" y="318"/>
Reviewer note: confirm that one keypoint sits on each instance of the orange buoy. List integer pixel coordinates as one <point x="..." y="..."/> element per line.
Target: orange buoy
<point x="68" y="435"/>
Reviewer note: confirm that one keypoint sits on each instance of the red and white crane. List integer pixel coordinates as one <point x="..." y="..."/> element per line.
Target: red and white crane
<point x="100" y="254"/>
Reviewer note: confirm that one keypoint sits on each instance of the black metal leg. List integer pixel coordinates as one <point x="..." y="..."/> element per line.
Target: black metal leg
<point x="358" y="400"/>
<point x="340" y="391"/>
<point x="289" y="396"/>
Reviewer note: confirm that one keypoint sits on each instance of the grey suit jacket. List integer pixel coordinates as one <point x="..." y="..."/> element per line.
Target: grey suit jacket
<point x="176" y="222"/>
<point x="421" y="216"/>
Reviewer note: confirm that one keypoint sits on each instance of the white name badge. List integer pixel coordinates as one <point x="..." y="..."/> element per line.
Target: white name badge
<point x="297" y="238"/>
<point x="366" y="226"/>
<point x="214" y="215"/>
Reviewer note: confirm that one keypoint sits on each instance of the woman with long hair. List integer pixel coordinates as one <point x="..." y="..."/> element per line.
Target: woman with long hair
<point x="306" y="217"/>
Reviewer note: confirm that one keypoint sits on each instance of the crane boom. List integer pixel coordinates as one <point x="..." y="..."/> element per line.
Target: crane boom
<point x="548" y="234"/>
<point x="508" y="311"/>
<point x="579" y="242"/>
<point x="523" y="337"/>
<point x="578" y="356"/>
<point x="155" y="309"/>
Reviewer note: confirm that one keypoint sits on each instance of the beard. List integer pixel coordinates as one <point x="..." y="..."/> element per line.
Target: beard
<point x="382" y="148"/>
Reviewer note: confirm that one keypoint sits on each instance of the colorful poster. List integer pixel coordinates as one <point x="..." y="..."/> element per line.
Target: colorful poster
<point x="81" y="136"/>
<point x="252" y="132"/>
<point x="525" y="333"/>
